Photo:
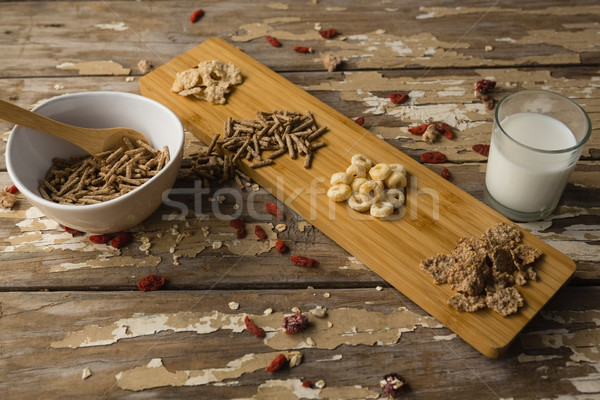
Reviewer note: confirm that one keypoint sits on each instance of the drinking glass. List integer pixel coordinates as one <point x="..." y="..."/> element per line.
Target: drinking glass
<point x="537" y="138"/>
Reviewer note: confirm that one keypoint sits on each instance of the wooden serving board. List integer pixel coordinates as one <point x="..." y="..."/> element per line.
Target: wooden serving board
<point x="437" y="213"/>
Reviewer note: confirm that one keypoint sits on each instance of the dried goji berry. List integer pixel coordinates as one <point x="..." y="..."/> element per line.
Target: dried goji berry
<point x="253" y="328"/>
<point x="281" y="246"/>
<point x="240" y="233"/>
<point x="433" y="157"/>
<point x="274" y="210"/>
<point x="122" y="239"/>
<point x="196" y="15"/>
<point x="483" y="149"/>
<point x="484" y="86"/>
<point x="100" y="239"/>
<point x="360" y="120"/>
<point x="419" y="129"/>
<point x="446" y="173"/>
<point x="236" y="223"/>
<point x="295" y="323"/>
<point x="278" y="363"/>
<point x="398" y="98"/>
<point x="445" y="130"/>
<point x="151" y="282"/>
<point x="72" y="231"/>
<point x="12" y="190"/>
<point x="273" y="41"/>
<point x="302" y="49"/>
<point x="328" y="33"/>
<point x="260" y="232"/>
<point x="302" y="261"/>
<point x="392" y="385"/>
<point x="306" y="383"/>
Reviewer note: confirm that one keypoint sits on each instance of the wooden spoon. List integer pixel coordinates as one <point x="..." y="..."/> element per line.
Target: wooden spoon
<point x="91" y="140"/>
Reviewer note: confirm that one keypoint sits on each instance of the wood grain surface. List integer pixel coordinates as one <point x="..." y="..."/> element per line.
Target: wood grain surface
<point x="391" y="248"/>
<point x="57" y="289"/>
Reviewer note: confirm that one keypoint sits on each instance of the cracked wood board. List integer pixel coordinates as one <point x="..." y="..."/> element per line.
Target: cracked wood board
<point x="437" y="213"/>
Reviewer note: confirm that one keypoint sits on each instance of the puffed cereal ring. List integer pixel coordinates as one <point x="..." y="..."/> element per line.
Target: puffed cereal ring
<point x="360" y="202"/>
<point x="381" y="209"/>
<point x="398" y="168"/>
<point x="361" y="159"/>
<point x="373" y="189"/>
<point x="339" y="192"/>
<point x="395" y="197"/>
<point x="380" y="171"/>
<point x="340" y="177"/>
<point x="357" y="183"/>
<point x="356" y="171"/>
<point x="395" y="180"/>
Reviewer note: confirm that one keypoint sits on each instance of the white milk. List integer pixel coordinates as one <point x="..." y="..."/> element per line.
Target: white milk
<point x="523" y="179"/>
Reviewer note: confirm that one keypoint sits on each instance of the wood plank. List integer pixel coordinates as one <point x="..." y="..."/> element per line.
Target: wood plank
<point x="550" y="358"/>
<point x="432" y="35"/>
<point x="400" y="244"/>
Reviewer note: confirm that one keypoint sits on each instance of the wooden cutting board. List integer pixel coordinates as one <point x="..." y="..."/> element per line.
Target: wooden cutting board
<point x="437" y="213"/>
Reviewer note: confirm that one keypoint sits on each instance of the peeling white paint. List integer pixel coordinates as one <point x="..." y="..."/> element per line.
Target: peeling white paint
<point x="115" y="26"/>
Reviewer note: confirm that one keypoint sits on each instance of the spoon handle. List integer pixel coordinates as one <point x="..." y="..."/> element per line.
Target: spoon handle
<point x="17" y="115"/>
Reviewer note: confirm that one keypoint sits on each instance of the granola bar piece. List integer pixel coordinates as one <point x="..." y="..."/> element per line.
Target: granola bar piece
<point x="525" y="255"/>
<point x="501" y="235"/>
<point x="505" y="301"/>
<point x="469" y="248"/>
<point x="467" y="303"/>
<point x="469" y="278"/>
<point x="438" y="267"/>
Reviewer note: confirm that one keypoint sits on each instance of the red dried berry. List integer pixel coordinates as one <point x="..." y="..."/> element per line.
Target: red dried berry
<point x="281" y="246"/>
<point x="273" y="41"/>
<point x="483" y="149"/>
<point x="122" y="239"/>
<point x="100" y="239"/>
<point x="196" y="15"/>
<point x="446" y="174"/>
<point x="12" y="190"/>
<point x="302" y="261"/>
<point x="253" y="328"/>
<point x="306" y="383"/>
<point x="484" y="86"/>
<point x="237" y="223"/>
<point x="295" y="323"/>
<point x="240" y="233"/>
<point x="260" y="232"/>
<point x="445" y="130"/>
<point x="72" y="231"/>
<point x="302" y="49"/>
<point x="278" y="363"/>
<point x="151" y="282"/>
<point x="433" y="157"/>
<point x="274" y="210"/>
<point x="392" y="385"/>
<point x="360" y="120"/>
<point x="398" y="98"/>
<point x="419" y="129"/>
<point x="328" y="33"/>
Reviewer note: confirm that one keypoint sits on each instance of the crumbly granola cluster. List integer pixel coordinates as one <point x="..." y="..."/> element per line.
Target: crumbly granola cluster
<point x="484" y="271"/>
<point x="211" y="80"/>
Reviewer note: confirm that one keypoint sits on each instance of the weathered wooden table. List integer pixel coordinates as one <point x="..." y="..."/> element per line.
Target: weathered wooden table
<point x="68" y="306"/>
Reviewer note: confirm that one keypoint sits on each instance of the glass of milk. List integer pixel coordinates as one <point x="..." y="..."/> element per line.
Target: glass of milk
<point x="537" y="138"/>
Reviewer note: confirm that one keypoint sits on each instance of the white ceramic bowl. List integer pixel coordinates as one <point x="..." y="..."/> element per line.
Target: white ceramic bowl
<point x="29" y="156"/>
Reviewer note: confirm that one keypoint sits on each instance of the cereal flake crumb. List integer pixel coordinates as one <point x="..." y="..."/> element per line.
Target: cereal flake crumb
<point x="233" y="305"/>
<point x="210" y="80"/>
<point x="86" y="373"/>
